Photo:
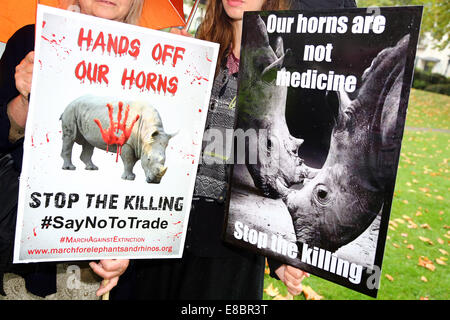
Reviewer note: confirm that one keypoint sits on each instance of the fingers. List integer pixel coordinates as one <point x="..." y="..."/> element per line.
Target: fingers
<point x="294" y="285"/>
<point x="24" y="74"/>
<point x="108" y="269"/>
<point x="293" y="278"/>
<point x="182" y="32"/>
<point x="106" y="286"/>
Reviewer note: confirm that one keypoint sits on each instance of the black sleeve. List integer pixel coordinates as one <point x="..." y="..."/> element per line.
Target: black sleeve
<point x="17" y="47"/>
<point x="273" y="265"/>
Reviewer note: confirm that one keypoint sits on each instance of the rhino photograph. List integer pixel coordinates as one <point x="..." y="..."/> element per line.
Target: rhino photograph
<point x="316" y="187"/>
<point x="138" y="134"/>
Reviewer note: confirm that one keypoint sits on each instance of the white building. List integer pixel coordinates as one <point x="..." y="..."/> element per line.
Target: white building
<point x="431" y="59"/>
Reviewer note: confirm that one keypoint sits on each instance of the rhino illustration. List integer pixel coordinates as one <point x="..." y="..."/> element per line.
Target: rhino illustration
<point x="262" y="107"/>
<point x="141" y="136"/>
<point x="347" y="194"/>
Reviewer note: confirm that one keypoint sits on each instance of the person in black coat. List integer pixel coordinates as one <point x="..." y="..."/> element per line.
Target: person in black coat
<point x="211" y="268"/>
<point x="16" y="67"/>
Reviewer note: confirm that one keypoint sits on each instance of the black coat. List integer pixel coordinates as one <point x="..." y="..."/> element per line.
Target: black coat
<point x="40" y="279"/>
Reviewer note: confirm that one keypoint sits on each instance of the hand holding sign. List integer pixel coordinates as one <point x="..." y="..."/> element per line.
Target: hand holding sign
<point x="109" y="270"/>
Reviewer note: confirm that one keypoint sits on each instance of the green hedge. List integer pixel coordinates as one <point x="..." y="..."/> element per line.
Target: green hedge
<point x="433" y="82"/>
<point x="439" y="88"/>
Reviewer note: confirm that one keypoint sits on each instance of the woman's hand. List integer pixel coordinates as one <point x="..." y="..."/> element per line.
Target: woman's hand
<point x="292" y="277"/>
<point x="18" y="107"/>
<point x="111" y="270"/>
<point x="24" y="74"/>
<point x="182" y="32"/>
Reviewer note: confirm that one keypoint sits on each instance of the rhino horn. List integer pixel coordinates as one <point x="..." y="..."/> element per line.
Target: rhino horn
<point x="381" y="75"/>
<point x="279" y="47"/>
<point x="161" y="173"/>
<point x="257" y="37"/>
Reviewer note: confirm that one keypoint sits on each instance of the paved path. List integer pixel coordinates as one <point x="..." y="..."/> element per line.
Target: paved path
<point x="427" y="129"/>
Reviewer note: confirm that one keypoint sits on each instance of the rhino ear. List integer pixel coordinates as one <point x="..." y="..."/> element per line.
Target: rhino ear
<point x="277" y="64"/>
<point x="150" y="137"/>
<point x="171" y="135"/>
<point x="346" y="107"/>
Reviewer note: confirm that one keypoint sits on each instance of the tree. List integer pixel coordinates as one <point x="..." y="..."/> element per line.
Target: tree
<point x="435" y="20"/>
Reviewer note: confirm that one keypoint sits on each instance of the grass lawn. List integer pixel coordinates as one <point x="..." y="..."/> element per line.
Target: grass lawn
<point x="415" y="264"/>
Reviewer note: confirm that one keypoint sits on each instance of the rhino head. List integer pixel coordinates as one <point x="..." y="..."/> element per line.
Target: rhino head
<point x="262" y="107"/>
<point x="154" y="141"/>
<point x="154" y="156"/>
<point x="346" y="195"/>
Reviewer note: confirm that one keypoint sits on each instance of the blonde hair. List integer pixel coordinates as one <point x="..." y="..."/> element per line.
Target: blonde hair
<point x="133" y="16"/>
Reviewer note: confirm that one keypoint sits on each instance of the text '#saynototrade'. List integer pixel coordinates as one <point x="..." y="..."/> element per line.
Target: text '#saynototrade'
<point x="60" y="222"/>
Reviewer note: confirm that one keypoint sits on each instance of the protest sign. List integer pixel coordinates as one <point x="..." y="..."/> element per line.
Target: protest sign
<point x="113" y="138"/>
<point x="321" y="108"/>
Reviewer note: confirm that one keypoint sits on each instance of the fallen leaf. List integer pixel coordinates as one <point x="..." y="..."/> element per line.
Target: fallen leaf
<point x="286" y="297"/>
<point x="426" y="263"/>
<point x="443" y="251"/>
<point x="272" y="291"/>
<point x="404" y="235"/>
<point x="412" y="225"/>
<point x="424" y="279"/>
<point x="440" y="241"/>
<point x="440" y="261"/>
<point x="424" y="298"/>
<point x="389" y="277"/>
<point x="396" y="245"/>
<point x="310" y="294"/>
<point x="399" y="220"/>
<point x="425" y="226"/>
<point x="424" y="239"/>
<point x="392" y="223"/>
<point x="410" y="247"/>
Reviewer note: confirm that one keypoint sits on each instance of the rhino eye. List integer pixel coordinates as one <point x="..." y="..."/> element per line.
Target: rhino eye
<point x="322" y="194"/>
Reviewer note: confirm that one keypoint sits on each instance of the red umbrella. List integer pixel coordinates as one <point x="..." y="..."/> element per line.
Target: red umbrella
<point x="160" y="14"/>
<point x="156" y="14"/>
<point x="15" y="14"/>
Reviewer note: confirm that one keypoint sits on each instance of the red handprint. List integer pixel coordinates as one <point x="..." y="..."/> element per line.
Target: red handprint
<point x="109" y="135"/>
